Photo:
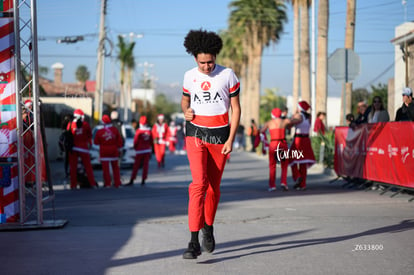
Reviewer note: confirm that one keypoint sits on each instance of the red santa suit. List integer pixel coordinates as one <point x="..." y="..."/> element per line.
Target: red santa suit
<point x="319" y="126"/>
<point x="82" y="139"/>
<point x="110" y="142"/>
<point x="143" y="148"/>
<point x="160" y="136"/>
<point x="172" y="137"/>
<point x="301" y="153"/>
<point x="278" y="149"/>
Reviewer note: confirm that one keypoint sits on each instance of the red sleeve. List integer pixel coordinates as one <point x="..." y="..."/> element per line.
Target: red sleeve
<point x="136" y="138"/>
<point x="154" y="131"/>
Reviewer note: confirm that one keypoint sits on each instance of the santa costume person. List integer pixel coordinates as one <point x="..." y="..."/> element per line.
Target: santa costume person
<point x="301" y="153"/>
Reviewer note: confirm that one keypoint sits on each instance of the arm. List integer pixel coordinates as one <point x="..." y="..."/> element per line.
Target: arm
<point x="185" y="107"/>
<point x="296" y="119"/>
<point x="264" y="127"/>
<point x="234" y="124"/>
<point x="287" y="123"/>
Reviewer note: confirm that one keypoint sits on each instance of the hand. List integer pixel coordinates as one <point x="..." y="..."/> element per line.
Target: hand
<point x="227" y="148"/>
<point x="189" y="114"/>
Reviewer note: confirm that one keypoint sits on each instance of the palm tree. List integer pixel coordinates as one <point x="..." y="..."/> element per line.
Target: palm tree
<point x="304" y="50"/>
<point x="268" y="101"/>
<point x="261" y="22"/>
<point x="349" y="44"/>
<point x="296" y="67"/>
<point x="127" y="64"/>
<point x="233" y="56"/>
<point x="82" y="74"/>
<point x="43" y="70"/>
<point x="322" y="65"/>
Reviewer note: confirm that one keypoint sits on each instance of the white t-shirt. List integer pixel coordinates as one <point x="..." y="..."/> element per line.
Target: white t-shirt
<point x="210" y="95"/>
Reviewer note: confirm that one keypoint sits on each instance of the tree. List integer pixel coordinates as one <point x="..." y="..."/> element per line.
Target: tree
<point x="349" y="44"/>
<point x="304" y="50"/>
<point x="296" y="67"/>
<point x="127" y="65"/>
<point x="164" y="106"/>
<point x="43" y="70"/>
<point x="358" y="95"/>
<point x="82" y="74"/>
<point x="268" y="101"/>
<point x="261" y="23"/>
<point x="382" y="91"/>
<point x="233" y="56"/>
<point x="322" y="64"/>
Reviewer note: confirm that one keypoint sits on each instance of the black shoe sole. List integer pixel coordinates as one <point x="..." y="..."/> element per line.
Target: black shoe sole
<point x="192" y="252"/>
<point x="190" y="255"/>
<point x="207" y="246"/>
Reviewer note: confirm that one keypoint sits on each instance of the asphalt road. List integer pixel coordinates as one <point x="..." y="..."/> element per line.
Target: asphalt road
<point x="327" y="229"/>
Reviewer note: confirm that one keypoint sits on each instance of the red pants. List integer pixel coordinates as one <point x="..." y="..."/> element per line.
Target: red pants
<point x="171" y="147"/>
<point x="73" y="163"/>
<point x="207" y="165"/>
<point x="107" y="174"/>
<point x="141" y="159"/>
<point x="159" y="150"/>
<point x="276" y="152"/>
<point x="302" y="172"/>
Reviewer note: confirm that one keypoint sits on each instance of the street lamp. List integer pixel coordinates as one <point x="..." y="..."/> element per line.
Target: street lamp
<point x="132" y="35"/>
<point x="147" y="81"/>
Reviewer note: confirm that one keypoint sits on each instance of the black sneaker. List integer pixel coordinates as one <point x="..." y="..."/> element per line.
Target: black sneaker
<point x="130" y="183"/>
<point x="298" y="183"/>
<point x="208" y="242"/>
<point x="192" y="251"/>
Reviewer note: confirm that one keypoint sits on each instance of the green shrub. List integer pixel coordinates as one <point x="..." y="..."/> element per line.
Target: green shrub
<point x="328" y="141"/>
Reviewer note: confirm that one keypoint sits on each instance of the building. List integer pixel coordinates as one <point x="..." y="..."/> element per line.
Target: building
<point x="404" y="66"/>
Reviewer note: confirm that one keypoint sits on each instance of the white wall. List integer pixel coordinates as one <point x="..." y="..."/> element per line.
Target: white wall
<point x="144" y="94"/>
<point x="399" y="67"/>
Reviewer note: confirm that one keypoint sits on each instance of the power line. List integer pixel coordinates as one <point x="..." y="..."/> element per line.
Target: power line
<point x="380" y="75"/>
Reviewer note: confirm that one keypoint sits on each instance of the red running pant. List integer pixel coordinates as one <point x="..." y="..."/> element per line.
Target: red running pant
<point x="73" y="162"/>
<point x="302" y="172"/>
<point x="141" y="159"/>
<point x="107" y="173"/>
<point x="278" y="151"/>
<point x="207" y="165"/>
<point x="159" y="150"/>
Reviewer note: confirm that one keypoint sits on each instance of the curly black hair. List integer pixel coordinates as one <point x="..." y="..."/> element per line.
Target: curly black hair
<point x="199" y="41"/>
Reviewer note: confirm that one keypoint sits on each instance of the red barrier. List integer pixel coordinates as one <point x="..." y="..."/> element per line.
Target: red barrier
<point x="382" y="152"/>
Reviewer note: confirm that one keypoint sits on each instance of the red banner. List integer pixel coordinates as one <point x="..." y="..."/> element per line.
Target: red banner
<point x="382" y="152"/>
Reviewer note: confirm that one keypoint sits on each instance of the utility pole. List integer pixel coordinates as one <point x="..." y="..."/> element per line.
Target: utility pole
<point x="97" y="114"/>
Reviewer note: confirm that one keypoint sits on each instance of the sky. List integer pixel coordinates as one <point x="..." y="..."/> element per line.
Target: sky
<point x="163" y="25"/>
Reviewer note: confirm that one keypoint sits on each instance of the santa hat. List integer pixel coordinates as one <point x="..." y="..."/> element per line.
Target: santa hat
<point x="303" y="106"/>
<point x="276" y="112"/>
<point x="143" y="120"/>
<point x="78" y="113"/>
<point x="106" y="119"/>
<point x="28" y="103"/>
<point x="160" y="116"/>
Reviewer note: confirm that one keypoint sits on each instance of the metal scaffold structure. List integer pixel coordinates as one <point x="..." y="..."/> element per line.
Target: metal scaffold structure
<point x="35" y="188"/>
